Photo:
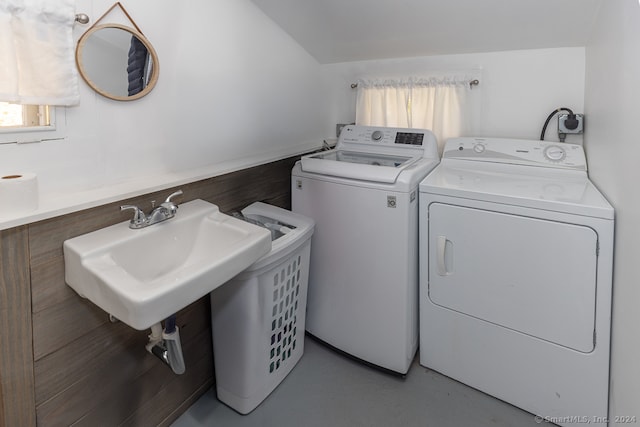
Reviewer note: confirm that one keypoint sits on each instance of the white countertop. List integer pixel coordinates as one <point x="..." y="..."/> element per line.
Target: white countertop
<point x="55" y="204"/>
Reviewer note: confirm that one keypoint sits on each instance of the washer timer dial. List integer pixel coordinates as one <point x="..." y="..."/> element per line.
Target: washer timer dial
<point x="555" y="153"/>
<point x="376" y="135"/>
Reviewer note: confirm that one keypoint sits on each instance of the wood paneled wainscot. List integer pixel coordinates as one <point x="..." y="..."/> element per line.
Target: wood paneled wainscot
<point x="16" y="357"/>
<point x="62" y="363"/>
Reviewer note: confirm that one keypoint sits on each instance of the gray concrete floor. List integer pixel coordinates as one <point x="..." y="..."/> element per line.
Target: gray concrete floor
<point x="327" y="389"/>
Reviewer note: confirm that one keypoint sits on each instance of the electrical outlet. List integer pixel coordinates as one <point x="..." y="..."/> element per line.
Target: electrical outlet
<point x="568" y="123"/>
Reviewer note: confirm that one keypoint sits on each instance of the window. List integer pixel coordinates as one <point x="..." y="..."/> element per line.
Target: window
<point x="19" y="116"/>
<point x="445" y="105"/>
<point x="28" y="123"/>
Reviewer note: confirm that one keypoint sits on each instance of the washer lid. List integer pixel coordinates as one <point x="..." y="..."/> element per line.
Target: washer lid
<point x="357" y="165"/>
<point x="370" y="153"/>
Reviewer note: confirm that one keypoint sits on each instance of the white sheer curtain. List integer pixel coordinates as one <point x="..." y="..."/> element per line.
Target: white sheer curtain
<point x="37" y="61"/>
<point x="440" y="104"/>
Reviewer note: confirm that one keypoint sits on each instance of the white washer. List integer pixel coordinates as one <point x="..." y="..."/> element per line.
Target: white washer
<point x="516" y="270"/>
<point x="363" y="279"/>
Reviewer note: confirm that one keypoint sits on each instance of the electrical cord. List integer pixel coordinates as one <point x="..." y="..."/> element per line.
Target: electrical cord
<point x="546" y="123"/>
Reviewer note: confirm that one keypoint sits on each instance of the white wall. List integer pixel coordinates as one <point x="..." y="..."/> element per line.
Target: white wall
<point x="613" y="150"/>
<point x="518" y="89"/>
<point x="232" y="86"/>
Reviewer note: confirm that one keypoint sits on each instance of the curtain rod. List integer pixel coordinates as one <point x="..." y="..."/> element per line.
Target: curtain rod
<point x="82" y="18"/>
<point x="474" y="82"/>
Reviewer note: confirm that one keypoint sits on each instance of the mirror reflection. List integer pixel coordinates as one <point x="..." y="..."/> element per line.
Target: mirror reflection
<point x="117" y="62"/>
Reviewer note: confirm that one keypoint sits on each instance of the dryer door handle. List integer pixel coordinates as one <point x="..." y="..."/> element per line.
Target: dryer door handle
<point x="444" y="245"/>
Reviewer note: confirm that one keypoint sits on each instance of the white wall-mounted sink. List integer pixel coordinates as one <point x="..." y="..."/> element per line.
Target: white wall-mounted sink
<point x="143" y="276"/>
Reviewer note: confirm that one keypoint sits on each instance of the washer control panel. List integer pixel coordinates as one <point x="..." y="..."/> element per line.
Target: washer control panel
<point x="517" y="151"/>
<point x="385" y="136"/>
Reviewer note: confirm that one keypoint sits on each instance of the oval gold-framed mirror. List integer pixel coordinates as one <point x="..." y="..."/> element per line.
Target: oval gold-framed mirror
<point x="117" y="62"/>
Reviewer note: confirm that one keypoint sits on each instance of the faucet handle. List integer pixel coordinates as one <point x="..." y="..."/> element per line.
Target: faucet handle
<point x="172" y="195"/>
<point x="169" y="205"/>
<point x="139" y="218"/>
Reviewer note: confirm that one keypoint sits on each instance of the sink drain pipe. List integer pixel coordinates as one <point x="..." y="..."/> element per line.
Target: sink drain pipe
<point x="166" y="344"/>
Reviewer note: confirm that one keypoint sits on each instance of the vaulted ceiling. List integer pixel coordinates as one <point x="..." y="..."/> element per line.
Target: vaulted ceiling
<point x="351" y="30"/>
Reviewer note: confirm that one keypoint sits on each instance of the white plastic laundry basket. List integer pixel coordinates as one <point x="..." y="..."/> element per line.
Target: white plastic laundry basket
<point x="258" y="316"/>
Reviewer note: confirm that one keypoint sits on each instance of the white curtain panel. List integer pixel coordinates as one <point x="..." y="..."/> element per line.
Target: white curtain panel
<point x="440" y="104"/>
<point x="383" y="103"/>
<point x="37" y="55"/>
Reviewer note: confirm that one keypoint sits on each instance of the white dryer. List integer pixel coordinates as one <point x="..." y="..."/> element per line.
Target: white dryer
<point x="363" y="279"/>
<point x="516" y="271"/>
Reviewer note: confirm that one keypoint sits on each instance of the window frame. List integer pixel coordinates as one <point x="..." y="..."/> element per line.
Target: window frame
<point x="56" y="130"/>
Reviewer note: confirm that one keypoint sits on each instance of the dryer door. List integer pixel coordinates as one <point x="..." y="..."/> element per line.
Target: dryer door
<point x="531" y="275"/>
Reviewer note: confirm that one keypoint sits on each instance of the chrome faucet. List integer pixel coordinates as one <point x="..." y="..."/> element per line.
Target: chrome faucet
<point x="165" y="211"/>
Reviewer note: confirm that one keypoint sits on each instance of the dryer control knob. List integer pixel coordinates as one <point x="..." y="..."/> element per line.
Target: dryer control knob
<point x="479" y="148"/>
<point x="376" y="135"/>
<point x="555" y="153"/>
